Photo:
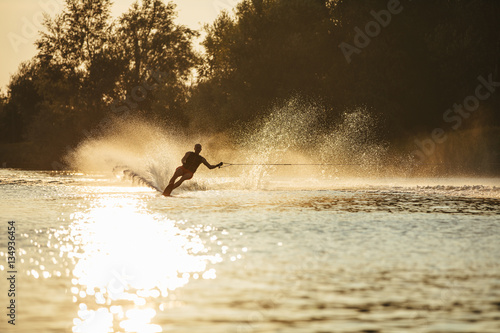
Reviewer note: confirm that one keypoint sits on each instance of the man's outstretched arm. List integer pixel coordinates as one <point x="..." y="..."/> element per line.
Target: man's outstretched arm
<point x="210" y="166"/>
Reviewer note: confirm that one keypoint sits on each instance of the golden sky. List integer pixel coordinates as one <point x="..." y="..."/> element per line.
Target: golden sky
<point x="21" y="19"/>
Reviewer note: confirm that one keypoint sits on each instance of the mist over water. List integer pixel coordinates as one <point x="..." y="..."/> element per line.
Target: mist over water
<point x="142" y="148"/>
<point x="293" y="132"/>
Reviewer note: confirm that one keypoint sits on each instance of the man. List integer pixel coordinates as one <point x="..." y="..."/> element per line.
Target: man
<point x="190" y="163"/>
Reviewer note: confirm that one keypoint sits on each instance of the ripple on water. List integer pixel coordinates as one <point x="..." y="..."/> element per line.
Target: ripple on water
<point x="107" y="256"/>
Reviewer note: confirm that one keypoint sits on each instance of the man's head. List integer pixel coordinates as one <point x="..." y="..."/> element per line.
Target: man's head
<point x="197" y="148"/>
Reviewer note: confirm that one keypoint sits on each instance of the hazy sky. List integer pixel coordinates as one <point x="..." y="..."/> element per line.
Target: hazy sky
<point x="21" y="19"/>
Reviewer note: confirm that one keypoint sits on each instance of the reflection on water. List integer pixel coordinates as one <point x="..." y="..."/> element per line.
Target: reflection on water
<point x="345" y="201"/>
<point x="125" y="258"/>
<point x="100" y="256"/>
<point x="403" y="202"/>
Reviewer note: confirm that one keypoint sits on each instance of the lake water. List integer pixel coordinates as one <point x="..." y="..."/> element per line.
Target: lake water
<point x="96" y="253"/>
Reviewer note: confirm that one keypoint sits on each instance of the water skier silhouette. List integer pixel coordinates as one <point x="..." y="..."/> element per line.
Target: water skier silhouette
<point x="190" y="163"/>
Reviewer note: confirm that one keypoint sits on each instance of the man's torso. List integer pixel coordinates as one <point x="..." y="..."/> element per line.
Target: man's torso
<point x="193" y="161"/>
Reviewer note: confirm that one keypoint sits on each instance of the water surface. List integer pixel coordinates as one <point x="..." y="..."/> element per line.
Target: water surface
<point x="99" y="254"/>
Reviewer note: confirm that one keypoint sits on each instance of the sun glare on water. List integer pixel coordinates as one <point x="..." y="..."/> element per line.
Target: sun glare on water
<point x="126" y="258"/>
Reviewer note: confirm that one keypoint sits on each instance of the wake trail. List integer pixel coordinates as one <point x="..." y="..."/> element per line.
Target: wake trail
<point x="135" y="177"/>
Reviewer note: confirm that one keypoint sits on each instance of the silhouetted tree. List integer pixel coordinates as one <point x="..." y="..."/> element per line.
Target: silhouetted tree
<point x="150" y="42"/>
<point x="22" y="104"/>
<point x="269" y="50"/>
<point x="416" y="66"/>
<point x="424" y="60"/>
<point x="80" y="66"/>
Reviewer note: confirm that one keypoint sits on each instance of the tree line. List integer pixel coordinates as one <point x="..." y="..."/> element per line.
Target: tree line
<point x="405" y="61"/>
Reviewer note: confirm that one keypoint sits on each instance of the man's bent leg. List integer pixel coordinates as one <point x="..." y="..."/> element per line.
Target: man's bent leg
<point x="170" y="187"/>
<point x="178" y="172"/>
<point x="180" y="181"/>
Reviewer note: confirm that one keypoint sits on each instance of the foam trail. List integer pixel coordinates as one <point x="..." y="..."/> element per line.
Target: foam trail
<point x="137" y="149"/>
<point x="135" y="177"/>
